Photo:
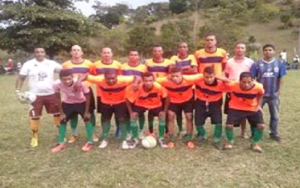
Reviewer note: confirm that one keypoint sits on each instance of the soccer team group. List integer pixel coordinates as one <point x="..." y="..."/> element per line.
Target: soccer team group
<point x="187" y="85"/>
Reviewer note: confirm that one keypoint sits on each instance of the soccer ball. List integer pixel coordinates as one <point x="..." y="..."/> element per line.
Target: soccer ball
<point x="27" y="97"/>
<point x="149" y="142"/>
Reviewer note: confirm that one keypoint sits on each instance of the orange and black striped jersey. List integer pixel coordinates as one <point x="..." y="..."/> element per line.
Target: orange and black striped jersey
<point x="128" y="70"/>
<point x="210" y="93"/>
<point x="216" y="59"/>
<point x="244" y="100"/>
<point x="184" y="63"/>
<point x="158" y="69"/>
<point x="100" y="68"/>
<point x="111" y="94"/>
<point x="150" y="99"/>
<point x="79" y="69"/>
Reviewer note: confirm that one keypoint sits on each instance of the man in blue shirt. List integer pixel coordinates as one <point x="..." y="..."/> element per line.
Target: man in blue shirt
<point x="269" y="71"/>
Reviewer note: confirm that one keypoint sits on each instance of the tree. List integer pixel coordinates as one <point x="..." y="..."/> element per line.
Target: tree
<point x="53" y="25"/>
<point x="178" y="6"/>
<point x="141" y="38"/>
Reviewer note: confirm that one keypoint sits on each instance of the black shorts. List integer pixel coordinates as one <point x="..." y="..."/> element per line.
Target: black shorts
<point x="236" y="117"/>
<point x="151" y="112"/>
<point x="226" y="104"/>
<point x="92" y="101"/>
<point x="212" y="110"/>
<point x="107" y="110"/>
<point x="70" y="110"/>
<point x="187" y="106"/>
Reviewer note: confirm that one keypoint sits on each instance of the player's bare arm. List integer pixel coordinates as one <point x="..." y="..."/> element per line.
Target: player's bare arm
<point x="62" y="114"/>
<point x="19" y="82"/>
<point x="87" y="114"/>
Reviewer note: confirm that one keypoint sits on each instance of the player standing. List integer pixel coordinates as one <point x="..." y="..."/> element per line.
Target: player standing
<point x="211" y="56"/>
<point x="80" y="66"/>
<point x="151" y="97"/>
<point x="270" y="71"/>
<point x="40" y="72"/>
<point x="246" y="97"/>
<point x="234" y="67"/>
<point x="72" y="102"/>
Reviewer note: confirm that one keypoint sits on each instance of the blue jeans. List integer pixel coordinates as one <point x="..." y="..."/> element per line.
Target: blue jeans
<point x="273" y="104"/>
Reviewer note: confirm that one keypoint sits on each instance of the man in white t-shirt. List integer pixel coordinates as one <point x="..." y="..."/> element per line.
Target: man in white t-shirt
<point x="40" y="73"/>
<point x="234" y="67"/>
<point x="283" y="55"/>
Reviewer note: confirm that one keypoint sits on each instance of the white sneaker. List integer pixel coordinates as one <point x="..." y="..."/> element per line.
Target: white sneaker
<point x="181" y="134"/>
<point x="135" y="143"/>
<point x="162" y="144"/>
<point x="103" y="144"/>
<point x="125" y="145"/>
<point x="141" y="135"/>
<point x="129" y="136"/>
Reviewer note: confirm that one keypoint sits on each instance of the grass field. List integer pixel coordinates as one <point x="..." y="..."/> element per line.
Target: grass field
<point x="23" y="166"/>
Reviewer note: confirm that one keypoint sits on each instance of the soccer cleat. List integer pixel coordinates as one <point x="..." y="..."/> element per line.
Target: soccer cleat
<point x="190" y="144"/>
<point x="87" y="147"/>
<point x="95" y="138"/>
<point x="276" y="138"/>
<point x="162" y="144"/>
<point x="245" y="136"/>
<point x="34" y="142"/>
<point x="134" y="144"/>
<point x="125" y="145"/>
<point x="257" y="148"/>
<point x="217" y="145"/>
<point x="103" y="144"/>
<point x="171" y="145"/>
<point x="181" y="134"/>
<point x="72" y="139"/>
<point x="200" y="140"/>
<point x="141" y="135"/>
<point x="228" y="146"/>
<point x="58" y="148"/>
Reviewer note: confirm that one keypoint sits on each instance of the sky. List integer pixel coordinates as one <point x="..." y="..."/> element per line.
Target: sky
<point x="86" y="8"/>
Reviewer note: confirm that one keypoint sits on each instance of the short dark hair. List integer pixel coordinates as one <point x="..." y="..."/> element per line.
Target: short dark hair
<point x="210" y="34"/>
<point x="147" y="74"/>
<point x="245" y="75"/>
<point x="110" y="72"/>
<point x="268" y="46"/>
<point x="39" y="47"/>
<point x="65" y="72"/>
<point x="175" y="69"/>
<point x="133" y="50"/>
<point x="209" y="70"/>
<point x="240" y="42"/>
<point x="158" y="45"/>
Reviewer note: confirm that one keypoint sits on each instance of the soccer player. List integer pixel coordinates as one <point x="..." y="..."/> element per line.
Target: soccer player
<point x="209" y="94"/>
<point x="73" y="102"/>
<point x="246" y="96"/>
<point x="100" y="67"/>
<point x="270" y="71"/>
<point x="211" y="56"/>
<point x="80" y="66"/>
<point x="135" y="68"/>
<point x="149" y="96"/>
<point x="40" y="72"/>
<point x="160" y="67"/>
<point x="112" y="91"/>
<point x="188" y="65"/>
<point x="234" y="67"/>
<point x="180" y="91"/>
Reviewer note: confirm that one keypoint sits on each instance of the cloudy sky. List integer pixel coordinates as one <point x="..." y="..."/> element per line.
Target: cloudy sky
<point x="87" y="10"/>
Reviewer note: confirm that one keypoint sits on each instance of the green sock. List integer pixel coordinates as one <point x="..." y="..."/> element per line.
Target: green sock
<point x="217" y="132"/>
<point x="123" y="129"/>
<point x="93" y="119"/>
<point x="189" y="137"/>
<point x="201" y="131"/>
<point x="151" y="126"/>
<point x="161" y="128"/>
<point x="257" y="135"/>
<point x="89" y="132"/>
<point x="179" y="121"/>
<point x="142" y="121"/>
<point x="105" y="129"/>
<point x="62" y="133"/>
<point x="74" y="123"/>
<point x="253" y="130"/>
<point x="229" y="135"/>
<point x="134" y="128"/>
<point x="127" y="121"/>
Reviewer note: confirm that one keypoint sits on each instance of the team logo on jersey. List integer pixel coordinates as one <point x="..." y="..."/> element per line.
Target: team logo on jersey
<point x="276" y="69"/>
<point x="42" y="76"/>
<point x="268" y="74"/>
